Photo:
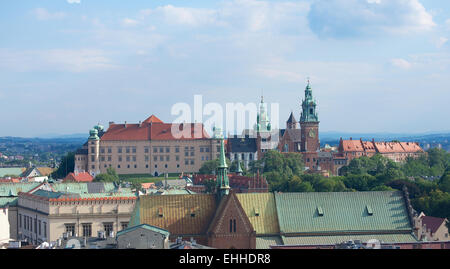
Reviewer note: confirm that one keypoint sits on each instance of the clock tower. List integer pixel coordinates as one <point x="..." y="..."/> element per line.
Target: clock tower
<point x="309" y="123"/>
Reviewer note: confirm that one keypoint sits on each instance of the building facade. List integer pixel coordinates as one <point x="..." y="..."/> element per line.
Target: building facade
<point x="149" y="147"/>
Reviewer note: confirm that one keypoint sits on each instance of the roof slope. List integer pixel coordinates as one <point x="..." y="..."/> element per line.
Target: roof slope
<point x="144" y="226"/>
<point x="153" y="119"/>
<point x="176" y="212"/>
<point x="242" y="144"/>
<point x="342" y="212"/>
<point x="264" y="204"/>
<point x="6" y="189"/>
<point x="336" y="239"/>
<point x="432" y="223"/>
<point x="79" y="177"/>
<point x="45" y="171"/>
<point x="17" y="171"/>
<point x="152" y="131"/>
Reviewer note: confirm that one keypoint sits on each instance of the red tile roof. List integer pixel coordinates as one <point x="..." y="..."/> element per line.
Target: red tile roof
<point x="352" y="145"/>
<point x="153" y="129"/>
<point x="79" y="177"/>
<point x="411" y="147"/>
<point x="432" y="223"/>
<point x="153" y="119"/>
<point x="381" y="147"/>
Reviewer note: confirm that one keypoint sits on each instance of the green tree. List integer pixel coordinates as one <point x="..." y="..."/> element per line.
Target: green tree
<point x="210" y="167"/>
<point x="436" y="204"/>
<point x="444" y="182"/>
<point x="210" y="185"/>
<point x="65" y="167"/>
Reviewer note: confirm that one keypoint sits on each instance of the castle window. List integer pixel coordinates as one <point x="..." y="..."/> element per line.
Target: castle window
<point x="128" y="150"/>
<point x="311" y="111"/>
<point x="155" y="149"/>
<point x="177" y="149"/>
<point x="118" y="166"/>
<point x="167" y="149"/>
<point x="119" y="150"/>
<point x="146" y="149"/>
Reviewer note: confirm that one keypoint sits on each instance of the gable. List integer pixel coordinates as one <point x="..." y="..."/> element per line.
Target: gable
<point x="341" y="212"/>
<point x="230" y="217"/>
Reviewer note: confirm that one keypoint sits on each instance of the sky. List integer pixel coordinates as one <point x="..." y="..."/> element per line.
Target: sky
<point x="374" y="65"/>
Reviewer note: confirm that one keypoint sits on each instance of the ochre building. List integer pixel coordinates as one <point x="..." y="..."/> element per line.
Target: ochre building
<point x="148" y="147"/>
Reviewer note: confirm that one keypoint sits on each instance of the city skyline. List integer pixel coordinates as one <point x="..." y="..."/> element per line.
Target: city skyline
<point x="375" y="66"/>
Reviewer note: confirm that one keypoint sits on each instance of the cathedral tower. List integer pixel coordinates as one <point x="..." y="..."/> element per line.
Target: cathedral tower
<point x="309" y="123"/>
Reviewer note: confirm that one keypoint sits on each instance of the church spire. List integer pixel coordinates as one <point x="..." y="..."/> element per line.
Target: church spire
<point x="238" y="168"/>
<point x="223" y="183"/>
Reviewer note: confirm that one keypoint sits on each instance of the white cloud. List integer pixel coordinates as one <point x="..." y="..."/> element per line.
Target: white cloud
<point x="441" y="42"/>
<point x="350" y="18"/>
<point x="245" y="15"/>
<point x="401" y="63"/>
<point x="188" y="16"/>
<point x="43" y="14"/>
<point x="282" y="70"/>
<point x="82" y="60"/>
<point x="129" y="22"/>
<point x="74" y="1"/>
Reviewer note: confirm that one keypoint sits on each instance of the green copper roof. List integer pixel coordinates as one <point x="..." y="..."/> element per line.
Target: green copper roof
<point x="264" y="242"/>
<point x="16" y="171"/>
<point x="223" y="183"/>
<point x="6" y="189"/>
<point x="222" y="159"/>
<point x="81" y="188"/>
<point x="239" y="169"/>
<point x="11" y="201"/>
<point x="341" y="212"/>
<point x="309" y="113"/>
<point x="332" y="240"/>
<point x="261" y="211"/>
<point x="144" y="226"/>
<point x="135" y="218"/>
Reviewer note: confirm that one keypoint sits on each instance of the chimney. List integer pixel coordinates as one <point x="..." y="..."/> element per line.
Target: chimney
<point x="125" y="124"/>
<point x="351" y="138"/>
<point x="140" y="124"/>
<point x="111" y="123"/>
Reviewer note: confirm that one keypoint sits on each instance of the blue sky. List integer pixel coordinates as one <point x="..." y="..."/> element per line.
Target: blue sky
<point x="375" y="65"/>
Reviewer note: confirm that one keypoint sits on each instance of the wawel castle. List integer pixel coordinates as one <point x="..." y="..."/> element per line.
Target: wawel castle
<point x="149" y="147"/>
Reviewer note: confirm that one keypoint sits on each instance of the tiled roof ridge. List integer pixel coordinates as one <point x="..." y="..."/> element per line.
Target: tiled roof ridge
<point x="71" y="199"/>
